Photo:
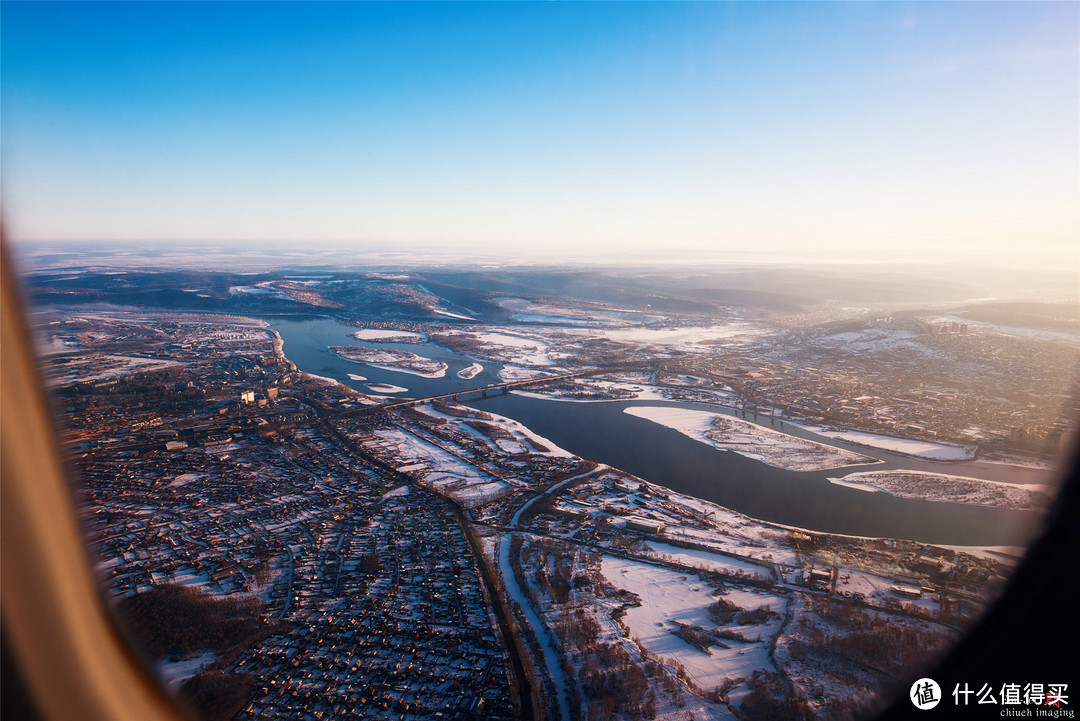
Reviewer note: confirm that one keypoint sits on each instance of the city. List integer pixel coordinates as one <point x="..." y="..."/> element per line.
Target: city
<point x="411" y="554"/>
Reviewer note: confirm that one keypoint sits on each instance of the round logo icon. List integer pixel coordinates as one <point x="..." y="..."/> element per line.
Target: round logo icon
<point x="925" y="694"/>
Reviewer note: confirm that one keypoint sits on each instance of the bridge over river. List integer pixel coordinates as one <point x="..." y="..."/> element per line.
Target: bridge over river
<point x="211" y="426"/>
<point x="485" y="391"/>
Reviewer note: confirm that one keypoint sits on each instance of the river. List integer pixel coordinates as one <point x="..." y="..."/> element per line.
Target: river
<point x="603" y="432"/>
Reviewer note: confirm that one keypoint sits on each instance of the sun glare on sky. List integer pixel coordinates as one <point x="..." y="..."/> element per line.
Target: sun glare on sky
<point x="868" y="131"/>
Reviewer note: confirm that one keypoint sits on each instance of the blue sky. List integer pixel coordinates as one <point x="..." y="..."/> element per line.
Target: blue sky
<point x="869" y="131"/>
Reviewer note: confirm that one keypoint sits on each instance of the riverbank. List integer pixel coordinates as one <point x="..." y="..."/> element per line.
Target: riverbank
<point x="603" y="432"/>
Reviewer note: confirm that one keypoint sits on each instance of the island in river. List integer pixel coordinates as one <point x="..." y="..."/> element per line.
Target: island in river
<point x="397" y="360"/>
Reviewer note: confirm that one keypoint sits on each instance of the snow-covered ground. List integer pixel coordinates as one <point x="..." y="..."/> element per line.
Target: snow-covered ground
<point x="511" y="340"/>
<point x="516" y="438"/>
<point x="703" y="559"/>
<point x="531" y="311"/>
<point x="876" y="338"/>
<point x="386" y="388"/>
<point x="331" y="381"/>
<point x="380" y="334"/>
<point x="448" y="314"/>
<point x="922" y="449"/>
<point x="410" y="371"/>
<point x="669" y="596"/>
<point x="392" y="360"/>
<point x="509" y="374"/>
<point x="689" y="338"/>
<point x="749" y="439"/>
<point x="545" y="347"/>
<point x="946" y="488"/>
<point x="440" y="469"/>
<point x="620" y="392"/>
<point x="504" y="346"/>
<point x="688" y="381"/>
<point x="737" y="534"/>
<point x="470" y="371"/>
<point x="110" y="366"/>
<point x="174" y="673"/>
<point x="248" y="290"/>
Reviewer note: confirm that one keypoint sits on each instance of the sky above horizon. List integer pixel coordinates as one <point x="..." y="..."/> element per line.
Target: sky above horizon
<point x="942" y="132"/>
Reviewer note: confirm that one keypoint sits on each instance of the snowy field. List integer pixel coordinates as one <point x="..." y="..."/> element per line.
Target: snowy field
<point x="97" y="368"/>
<point x="749" y="439"/>
<point x="509" y="374"/>
<point x="922" y="449"/>
<point x="704" y="559"/>
<point x="879" y="589"/>
<point x="389" y="336"/>
<point x="946" y="488"/>
<point x="690" y="338"/>
<point x="668" y="597"/>
<point x="513" y="439"/>
<point x="174" y="673"/>
<point x="522" y="309"/>
<point x="507" y="347"/>
<point x="735" y="534"/>
<point x="441" y="470"/>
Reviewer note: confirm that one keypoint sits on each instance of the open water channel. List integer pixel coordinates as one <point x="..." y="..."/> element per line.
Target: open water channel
<point x="601" y="431"/>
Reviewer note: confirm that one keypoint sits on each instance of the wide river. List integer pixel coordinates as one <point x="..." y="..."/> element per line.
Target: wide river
<point x="603" y="432"/>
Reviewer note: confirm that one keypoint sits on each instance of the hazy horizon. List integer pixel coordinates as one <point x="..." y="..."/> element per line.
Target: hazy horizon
<point x="932" y="281"/>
